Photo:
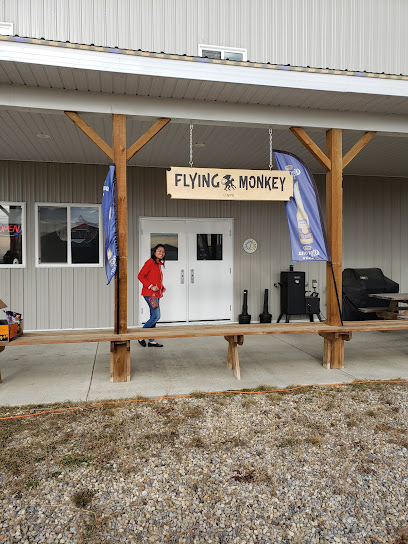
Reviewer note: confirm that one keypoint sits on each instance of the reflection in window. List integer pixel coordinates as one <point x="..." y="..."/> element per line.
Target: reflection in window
<point x="11" y="234"/>
<point x="170" y="243"/>
<point x="209" y="247"/>
<point x="84" y="234"/>
<point x="211" y="54"/>
<point x="52" y="223"/>
<point x="68" y="234"/>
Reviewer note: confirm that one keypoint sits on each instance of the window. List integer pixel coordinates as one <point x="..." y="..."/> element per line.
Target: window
<point x="68" y="235"/>
<point x="223" y="53"/>
<point x="12" y="235"/>
<point x="209" y="247"/>
<point x="168" y="241"/>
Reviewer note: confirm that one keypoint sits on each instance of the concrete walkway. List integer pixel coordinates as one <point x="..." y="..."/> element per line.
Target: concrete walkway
<point x="80" y="372"/>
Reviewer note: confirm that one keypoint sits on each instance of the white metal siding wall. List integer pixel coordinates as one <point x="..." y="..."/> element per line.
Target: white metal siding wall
<point x="343" y="34"/>
<point x="374" y="235"/>
<point x="54" y="298"/>
<point x="374" y="227"/>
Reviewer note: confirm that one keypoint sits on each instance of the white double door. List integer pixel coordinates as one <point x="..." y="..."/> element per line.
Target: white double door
<point x="198" y="270"/>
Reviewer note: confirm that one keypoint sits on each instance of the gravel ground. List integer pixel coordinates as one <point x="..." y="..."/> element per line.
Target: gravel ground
<point x="313" y="466"/>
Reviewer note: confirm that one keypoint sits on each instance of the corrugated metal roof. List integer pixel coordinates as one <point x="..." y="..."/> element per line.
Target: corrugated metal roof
<point x="171" y="56"/>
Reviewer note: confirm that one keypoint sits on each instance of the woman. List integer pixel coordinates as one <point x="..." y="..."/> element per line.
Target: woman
<point x="151" y="276"/>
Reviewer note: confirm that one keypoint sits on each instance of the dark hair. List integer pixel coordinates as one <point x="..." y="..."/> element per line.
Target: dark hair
<point x="153" y="256"/>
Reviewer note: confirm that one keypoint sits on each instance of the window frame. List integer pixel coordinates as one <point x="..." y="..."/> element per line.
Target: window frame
<point x="24" y="235"/>
<point x="69" y="263"/>
<point x="222" y="49"/>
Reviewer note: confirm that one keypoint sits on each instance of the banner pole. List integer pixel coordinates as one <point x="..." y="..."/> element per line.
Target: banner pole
<point x="337" y="293"/>
<point x="117" y="295"/>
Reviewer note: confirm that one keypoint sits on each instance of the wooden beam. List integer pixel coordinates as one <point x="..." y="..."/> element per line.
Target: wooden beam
<point x="363" y="141"/>
<point x="333" y="351"/>
<point x="120" y="353"/>
<point x="313" y="148"/>
<point x="88" y="131"/>
<point x="147" y="136"/>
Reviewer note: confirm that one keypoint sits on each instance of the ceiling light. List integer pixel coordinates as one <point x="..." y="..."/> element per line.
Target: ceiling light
<point x="42" y="135"/>
<point x="199" y="145"/>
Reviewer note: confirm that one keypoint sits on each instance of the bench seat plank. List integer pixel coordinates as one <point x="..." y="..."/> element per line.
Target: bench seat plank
<point x="196" y="331"/>
<point x="373" y="310"/>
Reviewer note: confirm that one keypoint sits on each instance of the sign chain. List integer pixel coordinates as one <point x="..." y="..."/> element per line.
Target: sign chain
<point x="270" y="149"/>
<point x="191" y="146"/>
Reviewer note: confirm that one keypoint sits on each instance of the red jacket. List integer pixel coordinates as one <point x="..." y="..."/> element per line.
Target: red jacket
<point x="151" y="275"/>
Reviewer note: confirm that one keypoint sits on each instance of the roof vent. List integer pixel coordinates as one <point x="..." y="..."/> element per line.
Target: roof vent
<point x="6" y="29"/>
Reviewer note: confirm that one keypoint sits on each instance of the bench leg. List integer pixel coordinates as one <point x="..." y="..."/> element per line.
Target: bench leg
<point x="120" y="361"/>
<point x="333" y="350"/>
<point x="333" y="353"/>
<point x="232" y="357"/>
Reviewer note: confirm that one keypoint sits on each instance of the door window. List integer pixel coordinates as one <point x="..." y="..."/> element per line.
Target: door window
<point x="209" y="247"/>
<point x="169" y="241"/>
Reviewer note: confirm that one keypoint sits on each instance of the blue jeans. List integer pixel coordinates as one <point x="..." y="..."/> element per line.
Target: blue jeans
<point x="154" y="316"/>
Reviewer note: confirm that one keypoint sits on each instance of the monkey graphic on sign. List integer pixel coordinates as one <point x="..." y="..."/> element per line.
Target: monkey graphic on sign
<point x="229" y="182"/>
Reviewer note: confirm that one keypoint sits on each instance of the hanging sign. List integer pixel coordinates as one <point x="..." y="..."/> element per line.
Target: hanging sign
<point x="217" y="184"/>
<point x="306" y="227"/>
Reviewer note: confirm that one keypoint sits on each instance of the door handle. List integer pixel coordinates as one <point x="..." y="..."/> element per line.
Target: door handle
<point x="182" y="277"/>
<point x="192" y="275"/>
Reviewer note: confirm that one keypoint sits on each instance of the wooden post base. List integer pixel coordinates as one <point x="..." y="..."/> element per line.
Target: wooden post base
<point x="120" y="361"/>
<point x="232" y="356"/>
<point x="333" y="351"/>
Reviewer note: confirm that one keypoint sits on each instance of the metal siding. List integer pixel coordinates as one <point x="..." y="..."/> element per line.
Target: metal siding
<point x="53" y="298"/>
<point x="79" y="298"/>
<point x="344" y="34"/>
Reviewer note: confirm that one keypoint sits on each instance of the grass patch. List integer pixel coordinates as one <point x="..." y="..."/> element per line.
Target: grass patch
<point x="197" y="442"/>
<point x="83" y="498"/>
<point x="71" y="460"/>
<point x="32" y="483"/>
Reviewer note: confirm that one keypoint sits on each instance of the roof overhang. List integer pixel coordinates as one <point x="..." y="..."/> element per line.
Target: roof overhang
<point x="230" y="105"/>
<point x="195" y="68"/>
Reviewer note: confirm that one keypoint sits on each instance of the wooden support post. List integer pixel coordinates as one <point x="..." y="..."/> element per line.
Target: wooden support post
<point x="120" y="361"/>
<point x="232" y="357"/>
<point x="333" y="354"/>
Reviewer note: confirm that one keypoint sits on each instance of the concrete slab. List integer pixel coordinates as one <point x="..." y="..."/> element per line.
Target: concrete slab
<point x="46" y="374"/>
<point x="80" y="372"/>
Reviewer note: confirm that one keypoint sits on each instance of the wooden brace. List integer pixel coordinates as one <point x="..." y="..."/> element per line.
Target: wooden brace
<point x="346" y="335"/>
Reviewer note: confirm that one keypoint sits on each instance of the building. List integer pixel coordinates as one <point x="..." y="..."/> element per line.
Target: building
<point x="232" y="70"/>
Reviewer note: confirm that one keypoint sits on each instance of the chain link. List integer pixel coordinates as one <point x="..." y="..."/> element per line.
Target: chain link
<point x="270" y="150"/>
<point x="191" y="145"/>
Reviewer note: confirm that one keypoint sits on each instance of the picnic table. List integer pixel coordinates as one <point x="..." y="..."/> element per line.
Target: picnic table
<point x="394" y="310"/>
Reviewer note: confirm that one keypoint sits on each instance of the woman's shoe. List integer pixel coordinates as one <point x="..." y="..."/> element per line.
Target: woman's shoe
<point x="142" y="343"/>
<point x="156" y="345"/>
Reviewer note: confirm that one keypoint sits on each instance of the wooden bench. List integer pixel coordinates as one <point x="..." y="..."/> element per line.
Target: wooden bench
<point x="373" y="310"/>
<point x="385" y="313"/>
<point x="233" y="333"/>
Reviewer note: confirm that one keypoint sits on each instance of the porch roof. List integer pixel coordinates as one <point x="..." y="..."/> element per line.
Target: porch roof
<point x="230" y="103"/>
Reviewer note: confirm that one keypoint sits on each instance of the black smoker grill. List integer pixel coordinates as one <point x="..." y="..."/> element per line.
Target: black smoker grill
<point x="358" y="283"/>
